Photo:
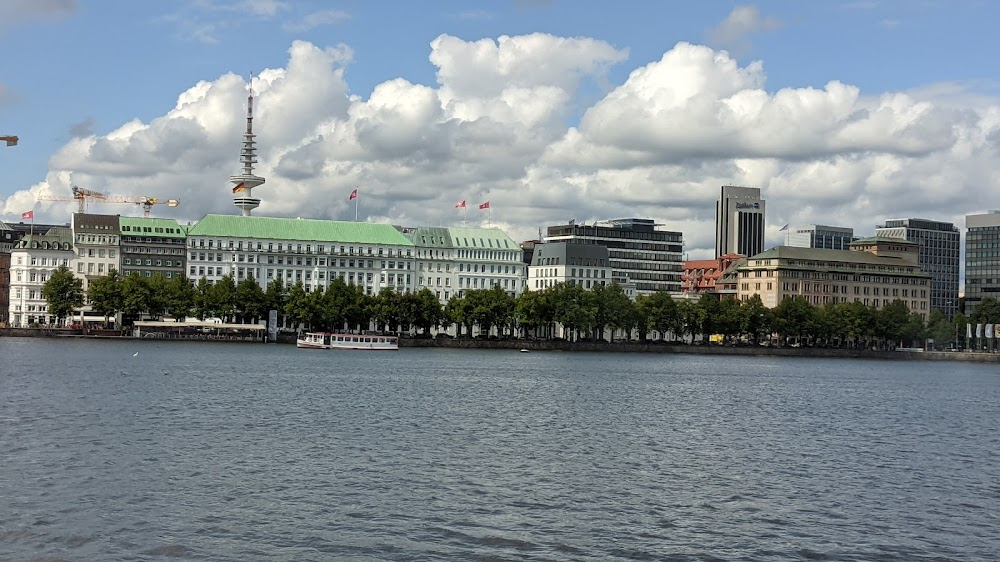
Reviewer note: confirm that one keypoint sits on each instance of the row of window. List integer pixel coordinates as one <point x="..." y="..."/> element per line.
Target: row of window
<point x="44" y="261"/>
<point x="296" y="248"/>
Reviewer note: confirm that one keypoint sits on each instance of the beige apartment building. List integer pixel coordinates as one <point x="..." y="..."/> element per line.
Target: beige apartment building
<point x="875" y="272"/>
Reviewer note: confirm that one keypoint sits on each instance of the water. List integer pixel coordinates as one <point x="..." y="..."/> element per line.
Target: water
<point x="217" y="451"/>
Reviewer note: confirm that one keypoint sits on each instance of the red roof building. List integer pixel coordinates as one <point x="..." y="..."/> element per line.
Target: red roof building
<point x="702" y="276"/>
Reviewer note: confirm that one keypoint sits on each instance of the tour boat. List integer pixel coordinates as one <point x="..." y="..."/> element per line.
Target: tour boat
<point x="327" y="340"/>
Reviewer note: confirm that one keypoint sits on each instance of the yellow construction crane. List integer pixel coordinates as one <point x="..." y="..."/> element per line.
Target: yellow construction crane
<point x="82" y="196"/>
<point x="11" y="140"/>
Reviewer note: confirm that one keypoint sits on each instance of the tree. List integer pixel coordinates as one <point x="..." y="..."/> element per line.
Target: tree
<point x="204" y="304"/>
<point x="427" y="308"/>
<point x="794" y="316"/>
<point x="534" y="310"/>
<point x="276" y="296"/>
<point x="297" y="307"/>
<point x="180" y="298"/>
<point x="223" y="296"/>
<point x="987" y="312"/>
<point x="732" y="319"/>
<point x="250" y="301"/>
<point x="760" y="319"/>
<point x="105" y="296"/>
<point x="711" y="315"/>
<point x="63" y="292"/>
<point x="135" y="295"/>
<point x="158" y="296"/>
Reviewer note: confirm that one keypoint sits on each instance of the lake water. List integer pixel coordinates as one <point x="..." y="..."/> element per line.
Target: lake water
<point x="217" y="451"/>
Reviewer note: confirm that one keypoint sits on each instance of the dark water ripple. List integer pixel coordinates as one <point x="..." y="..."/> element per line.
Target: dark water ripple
<point x="235" y="452"/>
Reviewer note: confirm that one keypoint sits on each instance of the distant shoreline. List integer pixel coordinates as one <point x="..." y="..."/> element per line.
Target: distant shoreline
<point x="605" y="347"/>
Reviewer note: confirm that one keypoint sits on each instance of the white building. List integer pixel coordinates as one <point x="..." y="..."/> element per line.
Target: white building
<point x="451" y="261"/>
<point x="96" y="240"/>
<point x="576" y="263"/>
<point x="33" y="259"/>
<point x="309" y="251"/>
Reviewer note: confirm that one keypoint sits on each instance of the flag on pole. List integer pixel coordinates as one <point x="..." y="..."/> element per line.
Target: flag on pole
<point x="485" y="205"/>
<point x="979" y="331"/>
<point x="239" y="188"/>
<point x="989" y="331"/>
<point x="460" y="204"/>
<point x="354" y="195"/>
<point x="28" y="215"/>
<point x="783" y="228"/>
<point x="968" y="330"/>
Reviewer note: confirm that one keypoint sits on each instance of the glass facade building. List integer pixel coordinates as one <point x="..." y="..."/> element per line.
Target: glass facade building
<point x="982" y="259"/>
<point x="939" y="246"/>
<point x="639" y="252"/>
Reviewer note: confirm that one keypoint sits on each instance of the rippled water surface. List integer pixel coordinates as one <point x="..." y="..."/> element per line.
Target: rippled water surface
<point x="252" y="452"/>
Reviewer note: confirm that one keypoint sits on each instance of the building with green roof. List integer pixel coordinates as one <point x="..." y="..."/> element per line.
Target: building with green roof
<point x="152" y="246"/>
<point x="307" y="251"/>
<point x="452" y="260"/>
<point x="33" y="259"/>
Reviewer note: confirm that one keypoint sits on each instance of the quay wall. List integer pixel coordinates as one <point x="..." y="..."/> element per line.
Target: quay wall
<point x="609" y="347"/>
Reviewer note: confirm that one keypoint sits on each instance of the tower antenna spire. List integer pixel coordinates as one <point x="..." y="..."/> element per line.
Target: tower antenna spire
<point x="244" y="183"/>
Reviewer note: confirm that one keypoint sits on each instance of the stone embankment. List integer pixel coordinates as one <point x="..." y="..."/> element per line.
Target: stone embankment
<point x="637" y="347"/>
<point x="617" y="347"/>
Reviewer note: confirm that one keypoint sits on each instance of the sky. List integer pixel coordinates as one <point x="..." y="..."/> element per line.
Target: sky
<point x="844" y="113"/>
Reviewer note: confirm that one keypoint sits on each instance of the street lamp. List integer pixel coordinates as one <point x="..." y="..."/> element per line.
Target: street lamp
<point x="10" y="140"/>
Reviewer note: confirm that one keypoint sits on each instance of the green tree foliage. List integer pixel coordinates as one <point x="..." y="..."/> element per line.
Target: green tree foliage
<point x="180" y="298"/>
<point x="534" y="311"/>
<point x="250" y="301"/>
<point x="63" y="292"/>
<point x="987" y="312"/>
<point x="135" y="296"/>
<point x="105" y="296"/>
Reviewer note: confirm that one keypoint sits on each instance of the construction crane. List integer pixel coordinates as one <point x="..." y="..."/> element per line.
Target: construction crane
<point x="83" y="196"/>
<point x="11" y="140"/>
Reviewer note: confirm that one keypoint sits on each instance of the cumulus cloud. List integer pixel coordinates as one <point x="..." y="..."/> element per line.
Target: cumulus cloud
<point x="494" y="127"/>
<point x="740" y="25"/>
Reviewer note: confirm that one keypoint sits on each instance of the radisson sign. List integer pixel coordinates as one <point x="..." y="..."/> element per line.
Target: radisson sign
<point x="748" y="205"/>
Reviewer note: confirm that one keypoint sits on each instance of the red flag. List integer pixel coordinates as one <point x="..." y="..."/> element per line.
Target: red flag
<point x="239" y="188"/>
<point x="460" y="204"/>
<point x="354" y="195"/>
<point x="28" y="215"/>
<point x="485" y="205"/>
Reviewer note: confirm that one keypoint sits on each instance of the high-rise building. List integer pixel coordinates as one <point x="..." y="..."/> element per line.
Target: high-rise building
<point x="982" y="259"/>
<point x="819" y="236"/>
<point x="739" y="221"/>
<point x="639" y="251"/>
<point x="939" y="245"/>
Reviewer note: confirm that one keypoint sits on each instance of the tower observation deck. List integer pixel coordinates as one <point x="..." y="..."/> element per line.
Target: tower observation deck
<point x="244" y="183"/>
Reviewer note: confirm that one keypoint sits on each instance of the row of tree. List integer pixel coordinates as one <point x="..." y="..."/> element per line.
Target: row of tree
<point x="564" y="310"/>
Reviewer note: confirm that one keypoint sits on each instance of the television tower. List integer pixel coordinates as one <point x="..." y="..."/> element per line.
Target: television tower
<point x="244" y="183"/>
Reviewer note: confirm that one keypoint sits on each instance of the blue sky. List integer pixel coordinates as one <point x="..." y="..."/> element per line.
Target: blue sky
<point x="81" y="68"/>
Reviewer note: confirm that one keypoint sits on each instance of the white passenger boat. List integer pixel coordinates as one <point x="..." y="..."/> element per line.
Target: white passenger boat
<point x="328" y="340"/>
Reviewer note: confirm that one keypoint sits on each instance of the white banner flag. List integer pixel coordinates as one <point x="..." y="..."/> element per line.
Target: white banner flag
<point x="968" y="330"/>
<point x="989" y="331"/>
<point x="979" y="330"/>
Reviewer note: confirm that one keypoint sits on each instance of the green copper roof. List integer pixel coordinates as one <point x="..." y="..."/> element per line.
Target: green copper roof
<point x="60" y="237"/>
<point x="164" y="228"/>
<point x="480" y="238"/>
<point x="429" y="236"/>
<point x="306" y="230"/>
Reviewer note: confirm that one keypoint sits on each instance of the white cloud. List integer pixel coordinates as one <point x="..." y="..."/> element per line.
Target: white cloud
<point x="317" y="19"/>
<point x="735" y="31"/>
<point x="657" y="146"/>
